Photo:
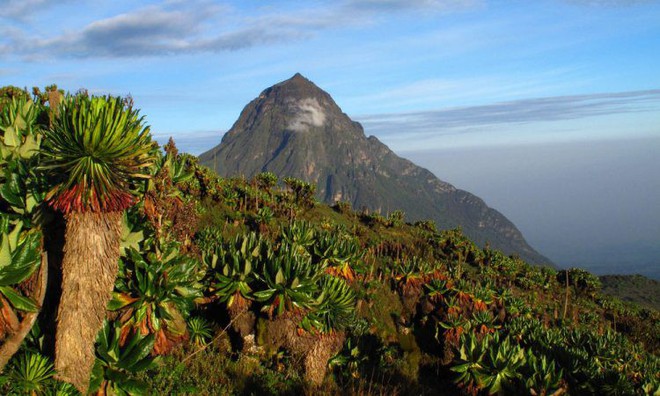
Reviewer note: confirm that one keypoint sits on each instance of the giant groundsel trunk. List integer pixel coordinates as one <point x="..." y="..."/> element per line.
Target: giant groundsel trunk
<point x="89" y="269"/>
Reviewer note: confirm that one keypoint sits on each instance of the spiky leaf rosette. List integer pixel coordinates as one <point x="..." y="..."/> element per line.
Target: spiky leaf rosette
<point x="95" y="148"/>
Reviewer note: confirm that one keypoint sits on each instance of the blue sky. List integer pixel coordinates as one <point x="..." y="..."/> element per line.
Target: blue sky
<point x="440" y="68"/>
<point x="425" y="76"/>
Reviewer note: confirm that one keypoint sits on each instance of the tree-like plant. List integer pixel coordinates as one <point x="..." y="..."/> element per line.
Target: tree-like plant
<point x="234" y="276"/>
<point x="303" y="192"/>
<point x="95" y="149"/>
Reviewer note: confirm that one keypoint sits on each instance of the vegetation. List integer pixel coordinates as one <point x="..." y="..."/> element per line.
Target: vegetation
<point x="633" y="288"/>
<point x="230" y="286"/>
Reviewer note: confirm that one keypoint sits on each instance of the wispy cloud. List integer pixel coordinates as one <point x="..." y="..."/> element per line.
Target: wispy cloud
<point x="199" y="27"/>
<point x="449" y="121"/>
<point x="23" y="10"/>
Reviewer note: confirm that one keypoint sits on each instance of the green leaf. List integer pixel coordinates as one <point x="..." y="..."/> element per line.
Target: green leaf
<point x="30" y="147"/>
<point x="130" y="239"/>
<point x="24" y="261"/>
<point x="97" y="376"/>
<point x="133" y="387"/>
<point x="10" y="192"/>
<point x="120" y="300"/>
<point x="5" y="253"/>
<point x="139" y="352"/>
<point x="13" y="236"/>
<point x="19" y="302"/>
<point x="11" y="137"/>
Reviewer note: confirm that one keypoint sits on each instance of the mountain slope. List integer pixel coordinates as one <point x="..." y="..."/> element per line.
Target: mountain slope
<point x="296" y="129"/>
<point x="635" y="288"/>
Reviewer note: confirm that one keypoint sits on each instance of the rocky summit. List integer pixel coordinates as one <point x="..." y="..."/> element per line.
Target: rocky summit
<point x="296" y="129"/>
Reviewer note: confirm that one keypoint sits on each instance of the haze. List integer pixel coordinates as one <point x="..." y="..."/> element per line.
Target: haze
<point x="584" y="204"/>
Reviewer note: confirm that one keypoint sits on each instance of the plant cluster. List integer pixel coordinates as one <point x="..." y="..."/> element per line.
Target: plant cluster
<point x="238" y="286"/>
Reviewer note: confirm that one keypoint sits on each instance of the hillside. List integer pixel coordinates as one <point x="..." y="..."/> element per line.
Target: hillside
<point x="230" y="286"/>
<point x="296" y="129"/>
<point x="633" y="288"/>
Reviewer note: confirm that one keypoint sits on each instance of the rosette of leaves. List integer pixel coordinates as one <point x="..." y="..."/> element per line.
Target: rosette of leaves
<point x="502" y="365"/>
<point x="235" y="273"/>
<point x="230" y="196"/>
<point x="541" y="375"/>
<point x="299" y="235"/>
<point x="482" y="298"/>
<point x="264" y="216"/>
<point x="266" y="181"/>
<point x="469" y="364"/>
<point x="490" y="363"/>
<point x="31" y="373"/>
<point x="484" y="322"/>
<point x="234" y="277"/>
<point x="410" y="275"/>
<point x="118" y="355"/>
<point x="289" y="282"/>
<point x="333" y="309"/>
<point x="437" y="290"/>
<point x="95" y="148"/>
<point x="454" y="326"/>
<point x="200" y="330"/>
<point x="156" y="292"/>
<point x="338" y="253"/>
<point x="209" y="241"/>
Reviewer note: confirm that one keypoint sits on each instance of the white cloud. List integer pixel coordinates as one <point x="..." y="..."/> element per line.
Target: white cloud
<point x="307" y="112"/>
<point x="175" y="27"/>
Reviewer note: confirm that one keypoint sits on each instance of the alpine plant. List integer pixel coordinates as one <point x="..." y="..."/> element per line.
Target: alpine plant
<point x="95" y="151"/>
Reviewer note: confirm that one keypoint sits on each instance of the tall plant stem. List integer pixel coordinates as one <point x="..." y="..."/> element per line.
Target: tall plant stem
<point x="89" y="269"/>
